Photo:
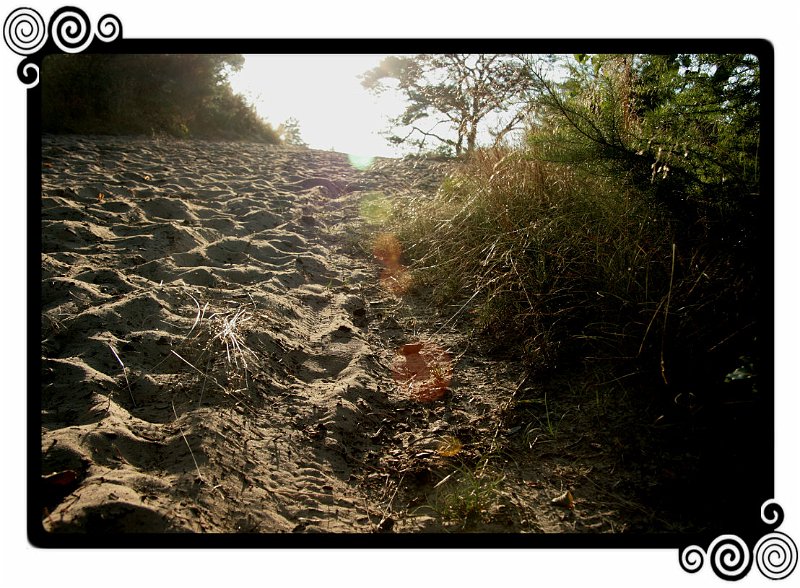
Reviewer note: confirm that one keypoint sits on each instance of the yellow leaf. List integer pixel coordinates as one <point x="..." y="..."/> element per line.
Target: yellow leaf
<point x="449" y="446"/>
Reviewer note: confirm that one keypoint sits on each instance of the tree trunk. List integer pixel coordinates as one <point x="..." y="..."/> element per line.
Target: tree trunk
<point x="472" y="136"/>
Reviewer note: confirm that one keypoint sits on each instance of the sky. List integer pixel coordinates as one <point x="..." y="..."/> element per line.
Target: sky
<point x="325" y="95"/>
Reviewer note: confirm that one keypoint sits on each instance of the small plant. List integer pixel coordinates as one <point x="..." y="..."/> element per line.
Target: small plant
<point x="214" y="336"/>
<point x="467" y="496"/>
<point x="551" y="426"/>
<point x="548" y="422"/>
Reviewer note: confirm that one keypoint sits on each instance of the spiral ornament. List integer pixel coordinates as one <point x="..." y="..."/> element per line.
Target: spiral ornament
<point x="109" y="28"/>
<point x="28" y="73"/>
<point x="71" y="29"/>
<point x="692" y="558"/>
<point x="772" y="514"/>
<point x="775" y="555"/>
<point x="730" y="557"/>
<point x="24" y="31"/>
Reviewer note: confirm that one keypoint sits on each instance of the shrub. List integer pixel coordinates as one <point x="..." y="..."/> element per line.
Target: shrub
<point x="550" y="258"/>
<point x="625" y="230"/>
<point x="176" y="94"/>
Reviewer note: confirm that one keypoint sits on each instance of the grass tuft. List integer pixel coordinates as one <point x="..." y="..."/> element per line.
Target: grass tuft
<point x="556" y="263"/>
<point x="547" y="256"/>
<point x="467" y="495"/>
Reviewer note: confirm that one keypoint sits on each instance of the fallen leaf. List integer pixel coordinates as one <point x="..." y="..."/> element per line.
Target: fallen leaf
<point x="64" y="478"/>
<point x="449" y="446"/>
<point x="566" y="500"/>
<point x="410" y="348"/>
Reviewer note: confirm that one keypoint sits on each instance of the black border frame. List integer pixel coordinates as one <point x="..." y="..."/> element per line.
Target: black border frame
<point x="745" y="527"/>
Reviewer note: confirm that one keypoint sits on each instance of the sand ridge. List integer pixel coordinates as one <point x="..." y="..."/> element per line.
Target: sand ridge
<point x="229" y="344"/>
<point x="205" y="360"/>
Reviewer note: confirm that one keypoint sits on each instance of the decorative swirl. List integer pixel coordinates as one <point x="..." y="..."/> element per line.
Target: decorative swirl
<point x="24" y="31"/>
<point x="776" y="555"/>
<point x="692" y="558"/>
<point x="109" y="28"/>
<point x="28" y="73"/>
<point x="730" y="557"/>
<point x="71" y="29"/>
<point x="772" y="514"/>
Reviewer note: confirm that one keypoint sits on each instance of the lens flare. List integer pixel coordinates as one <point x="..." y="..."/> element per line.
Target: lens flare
<point x="375" y="208"/>
<point x="396" y="280"/>
<point x="361" y="162"/>
<point x="423" y="370"/>
<point x="394" y="277"/>
<point x="387" y="249"/>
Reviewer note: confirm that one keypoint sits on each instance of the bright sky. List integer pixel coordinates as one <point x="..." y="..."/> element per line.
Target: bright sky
<point x="325" y="95"/>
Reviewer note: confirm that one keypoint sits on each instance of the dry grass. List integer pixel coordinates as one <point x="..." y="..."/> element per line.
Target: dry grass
<point x="548" y="256"/>
<point x="217" y="338"/>
<point x="213" y="349"/>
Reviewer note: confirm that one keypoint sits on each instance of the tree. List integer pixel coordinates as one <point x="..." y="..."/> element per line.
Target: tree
<point x="459" y="91"/>
<point x="177" y="94"/>
<point x="674" y="122"/>
<point x="289" y="132"/>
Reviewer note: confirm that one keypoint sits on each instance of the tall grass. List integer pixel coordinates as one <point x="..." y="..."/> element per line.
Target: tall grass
<point x="555" y="257"/>
<point x="560" y="264"/>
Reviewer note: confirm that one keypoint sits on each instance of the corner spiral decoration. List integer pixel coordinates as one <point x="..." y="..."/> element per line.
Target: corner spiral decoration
<point x="69" y="29"/>
<point x="775" y="554"/>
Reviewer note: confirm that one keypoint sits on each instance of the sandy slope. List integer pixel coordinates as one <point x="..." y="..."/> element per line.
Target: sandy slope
<point x="223" y="278"/>
<point x="223" y="351"/>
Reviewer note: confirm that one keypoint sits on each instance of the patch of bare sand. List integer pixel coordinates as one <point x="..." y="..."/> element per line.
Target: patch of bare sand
<point x="218" y="354"/>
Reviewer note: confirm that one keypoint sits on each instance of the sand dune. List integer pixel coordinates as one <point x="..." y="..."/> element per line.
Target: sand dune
<point x="226" y="348"/>
<point x="206" y="362"/>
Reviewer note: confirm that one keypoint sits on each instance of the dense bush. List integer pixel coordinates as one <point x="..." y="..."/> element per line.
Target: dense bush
<point x="683" y="130"/>
<point x="628" y="229"/>
<point x="555" y="259"/>
<point x="175" y="94"/>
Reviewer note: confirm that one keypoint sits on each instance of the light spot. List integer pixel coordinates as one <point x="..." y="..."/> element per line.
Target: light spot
<point x="361" y="162"/>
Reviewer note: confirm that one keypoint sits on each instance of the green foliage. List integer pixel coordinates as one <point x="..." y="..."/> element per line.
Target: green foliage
<point x="685" y="128"/>
<point x="455" y="90"/>
<point x="626" y="230"/>
<point x="176" y="94"/>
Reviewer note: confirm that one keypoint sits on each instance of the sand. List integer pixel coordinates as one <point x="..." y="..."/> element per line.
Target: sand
<point x="229" y="344"/>
<point x="206" y="364"/>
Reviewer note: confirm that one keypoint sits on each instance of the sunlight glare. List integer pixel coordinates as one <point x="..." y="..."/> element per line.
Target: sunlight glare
<point x="324" y="94"/>
<point x="361" y="162"/>
<point x="375" y="208"/>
